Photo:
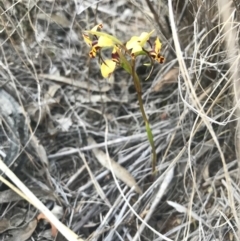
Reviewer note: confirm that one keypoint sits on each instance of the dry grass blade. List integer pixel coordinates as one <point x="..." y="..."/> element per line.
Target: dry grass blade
<point x="179" y="208"/>
<point x="117" y="169"/>
<point x="232" y="40"/>
<point x="95" y="182"/>
<point x="165" y="184"/>
<point x="198" y="108"/>
<point x="32" y="199"/>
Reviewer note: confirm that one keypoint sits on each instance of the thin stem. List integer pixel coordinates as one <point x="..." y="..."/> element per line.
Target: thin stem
<point x="138" y="88"/>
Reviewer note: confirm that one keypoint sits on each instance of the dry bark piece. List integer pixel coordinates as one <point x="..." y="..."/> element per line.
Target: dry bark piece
<point x="169" y="78"/>
<point x="117" y="169"/>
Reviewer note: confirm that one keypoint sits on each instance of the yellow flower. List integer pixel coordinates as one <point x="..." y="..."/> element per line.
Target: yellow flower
<point x="136" y="43"/>
<point x="107" y="68"/>
<point x="97" y="43"/>
<point x="155" y="52"/>
<point x="92" y="43"/>
<point x="86" y="37"/>
<point x="105" y="42"/>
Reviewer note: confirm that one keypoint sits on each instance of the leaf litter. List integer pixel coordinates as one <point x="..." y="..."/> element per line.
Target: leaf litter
<point x="23" y="233"/>
<point x="44" y="66"/>
<point x="113" y="166"/>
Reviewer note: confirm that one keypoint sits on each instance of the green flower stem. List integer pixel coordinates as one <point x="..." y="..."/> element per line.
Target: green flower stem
<point x="147" y="125"/>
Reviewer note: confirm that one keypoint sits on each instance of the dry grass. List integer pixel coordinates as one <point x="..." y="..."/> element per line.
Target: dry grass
<point x="54" y="101"/>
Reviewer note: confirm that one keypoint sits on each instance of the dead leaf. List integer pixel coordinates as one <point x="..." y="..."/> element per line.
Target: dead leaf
<point x="58" y="212"/>
<point x="40" y="150"/>
<point x="33" y="111"/>
<point x="51" y="91"/>
<point x="169" y="78"/>
<point x="49" y="101"/>
<point x="72" y="82"/>
<point x="118" y="170"/>
<point x="59" y="19"/>
<point x="54" y="231"/>
<point x="94" y="181"/>
<point x="4" y="225"/>
<point x="60" y="237"/>
<point x="164" y="116"/>
<point x="64" y="123"/>
<point x="181" y="209"/>
<point x="14" y="220"/>
<point x="205" y="172"/>
<point x="17" y="219"/>
<point x="10" y="196"/>
<point x="23" y="233"/>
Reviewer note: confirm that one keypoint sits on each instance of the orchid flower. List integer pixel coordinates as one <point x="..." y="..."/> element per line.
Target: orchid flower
<point x="108" y="66"/>
<point x="155" y="52"/>
<point x="124" y="55"/>
<point x="136" y="43"/>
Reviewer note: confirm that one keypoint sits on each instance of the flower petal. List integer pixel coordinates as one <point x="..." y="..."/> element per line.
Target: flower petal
<point x="160" y="59"/>
<point x="136" y="48"/>
<point x="87" y="40"/>
<point x="144" y="37"/>
<point x="141" y="40"/>
<point x="93" y="53"/>
<point x="137" y="43"/>
<point x="105" y="42"/>
<point x="86" y="37"/>
<point x="107" y="68"/>
<point x="115" y="55"/>
<point x="157" y="46"/>
<point x="132" y="42"/>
